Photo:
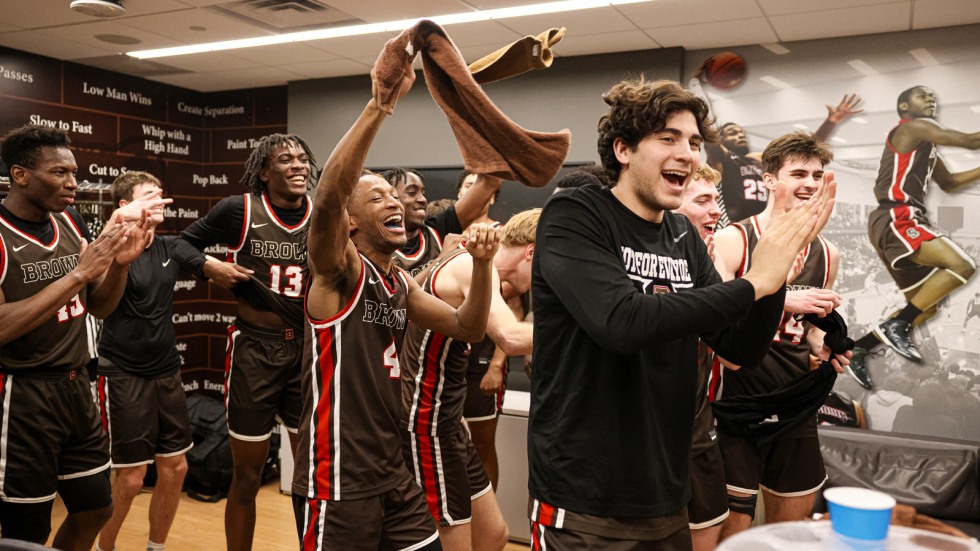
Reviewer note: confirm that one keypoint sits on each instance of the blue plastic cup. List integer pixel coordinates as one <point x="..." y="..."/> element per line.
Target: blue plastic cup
<point x="859" y="513"/>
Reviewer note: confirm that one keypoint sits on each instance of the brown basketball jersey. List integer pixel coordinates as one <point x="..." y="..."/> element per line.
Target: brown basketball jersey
<point x="349" y="441"/>
<point x="276" y="254"/>
<point x="430" y="245"/>
<point x="903" y="177"/>
<point x="743" y="193"/>
<point x="704" y="436"/>
<point x="27" y="266"/>
<point x="789" y="355"/>
<point x="433" y="373"/>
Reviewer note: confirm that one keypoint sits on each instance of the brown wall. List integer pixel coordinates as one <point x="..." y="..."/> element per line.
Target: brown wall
<point x="196" y="143"/>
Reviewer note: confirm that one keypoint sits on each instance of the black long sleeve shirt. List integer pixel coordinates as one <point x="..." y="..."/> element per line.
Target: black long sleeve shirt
<point x="619" y="306"/>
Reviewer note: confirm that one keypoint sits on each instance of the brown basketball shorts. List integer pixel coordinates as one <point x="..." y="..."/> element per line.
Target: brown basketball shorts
<point x="709" y="496"/>
<point x="144" y="417"/>
<point x="396" y="519"/>
<point x="788" y="467"/>
<point x="262" y="380"/>
<point x="896" y="236"/>
<point x="479" y="406"/>
<point x="49" y="431"/>
<point x="449" y="471"/>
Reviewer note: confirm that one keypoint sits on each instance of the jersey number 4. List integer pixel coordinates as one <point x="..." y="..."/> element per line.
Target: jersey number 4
<point x="286" y="280"/>
<point x="72" y="310"/>
<point x="755" y="190"/>
<point x="391" y="362"/>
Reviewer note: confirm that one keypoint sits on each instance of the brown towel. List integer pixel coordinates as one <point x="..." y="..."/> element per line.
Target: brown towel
<point x="526" y="54"/>
<point x="488" y="140"/>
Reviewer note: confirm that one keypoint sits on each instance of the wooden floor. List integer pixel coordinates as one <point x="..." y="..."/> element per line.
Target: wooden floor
<point x="200" y="526"/>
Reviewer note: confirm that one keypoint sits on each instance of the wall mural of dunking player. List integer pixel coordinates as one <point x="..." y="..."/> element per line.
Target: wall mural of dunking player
<point x="907" y="122"/>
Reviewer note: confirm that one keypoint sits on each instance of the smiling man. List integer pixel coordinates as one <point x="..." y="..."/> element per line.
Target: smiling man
<point x="424" y="235"/>
<point x="52" y="440"/>
<point x="264" y="230"/>
<point x="790" y="470"/>
<point x="351" y="488"/>
<point x="623" y="289"/>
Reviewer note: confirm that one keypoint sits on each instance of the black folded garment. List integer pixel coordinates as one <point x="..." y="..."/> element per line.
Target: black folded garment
<point x="835" y="327"/>
<point x="763" y="417"/>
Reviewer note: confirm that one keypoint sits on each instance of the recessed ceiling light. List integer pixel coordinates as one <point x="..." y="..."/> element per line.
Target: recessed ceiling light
<point x="838" y="139"/>
<point x="801" y="126"/>
<point x="773" y="81"/>
<point x="118" y="39"/>
<point x="98" y="8"/>
<point x="389" y="26"/>
<point x="862" y="67"/>
<point x="975" y="108"/>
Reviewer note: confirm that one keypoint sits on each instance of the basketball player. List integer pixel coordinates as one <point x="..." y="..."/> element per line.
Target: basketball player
<point x="790" y="470"/>
<point x="434" y="387"/>
<point x="926" y="264"/>
<point x="51" y="439"/>
<point x="140" y="393"/>
<point x="743" y="192"/>
<point x="623" y="290"/>
<point x="351" y="488"/>
<point x="264" y="230"/>
<point x="708" y="507"/>
<point x="424" y="235"/>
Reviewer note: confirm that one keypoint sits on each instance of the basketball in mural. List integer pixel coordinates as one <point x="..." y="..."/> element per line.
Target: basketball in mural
<point x="724" y="71"/>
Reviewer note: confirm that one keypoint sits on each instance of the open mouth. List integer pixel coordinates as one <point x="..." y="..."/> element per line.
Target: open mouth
<point x="710" y="228"/>
<point x="393" y="223"/>
<point x="299" y="179"/>
<point x="675" y="177"/>
<point x="804" y="196"/>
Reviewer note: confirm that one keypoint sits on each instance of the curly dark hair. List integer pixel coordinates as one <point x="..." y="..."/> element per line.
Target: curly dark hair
<point x="262" y="154"/>
<point x="795" y="145"/>
<point x="583" y="176"/>
<point x="22" y="146"/>
<point x="397" y="176"/>
<point x="638" y="108"/>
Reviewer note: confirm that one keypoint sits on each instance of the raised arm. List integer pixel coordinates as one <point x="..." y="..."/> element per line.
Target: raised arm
<point x="331" y="255"/>
<point x="836" y="115"/>
<point x="510" y="335"/>
<point x="476" y="199"/>
<point x="468" y="322"/>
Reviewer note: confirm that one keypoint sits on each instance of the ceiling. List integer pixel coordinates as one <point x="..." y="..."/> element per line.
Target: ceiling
<point x="50" y="28"/>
